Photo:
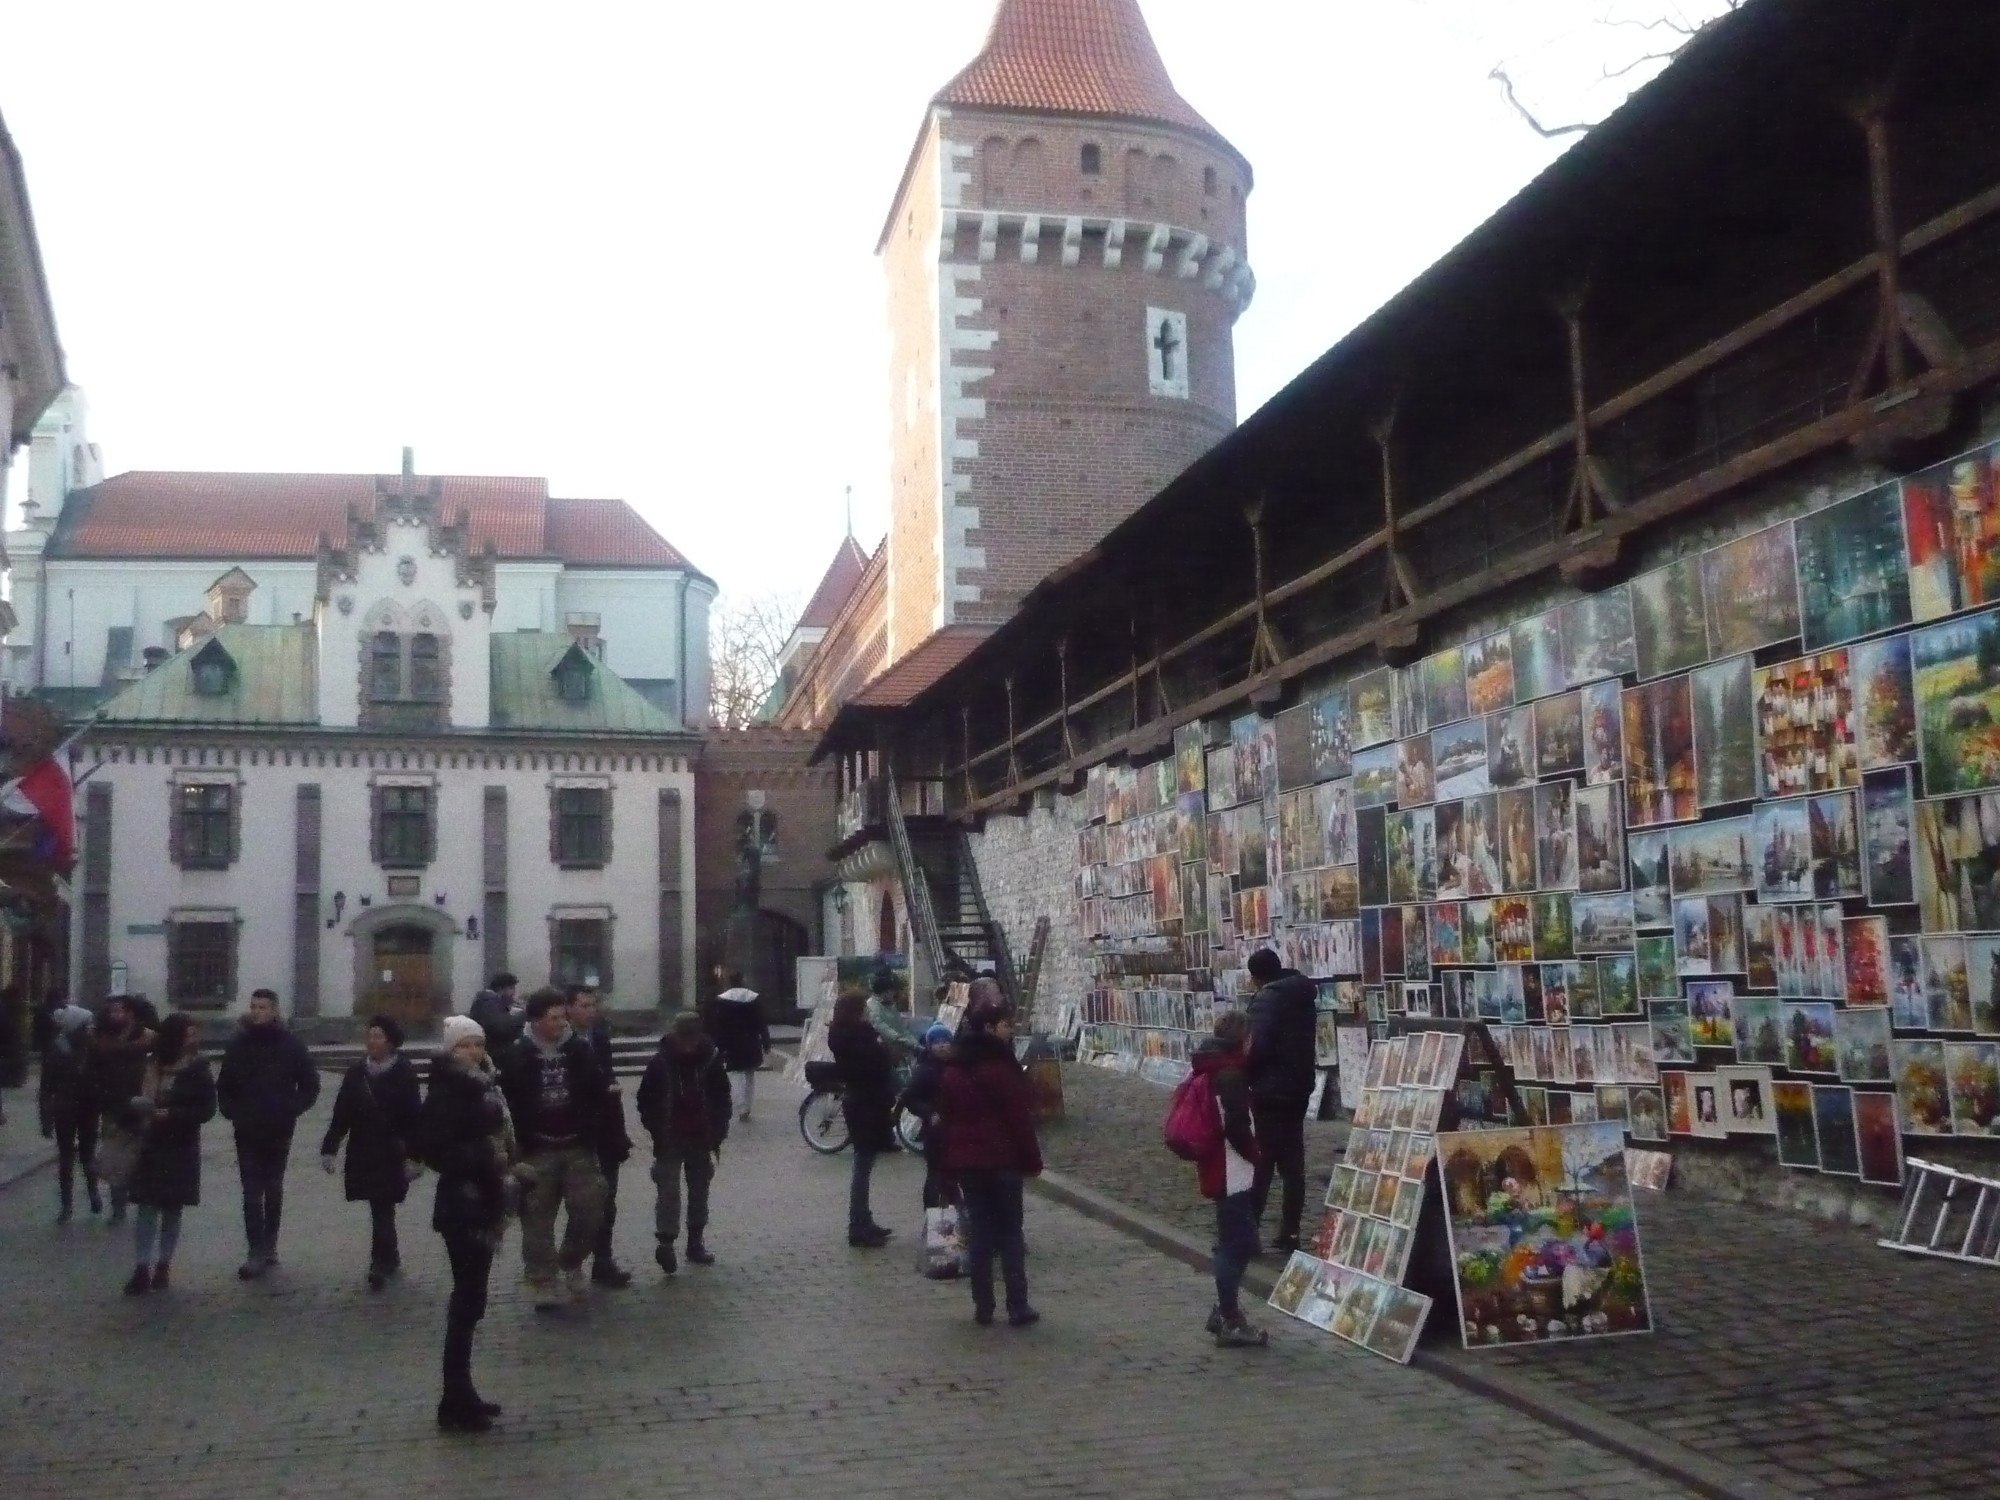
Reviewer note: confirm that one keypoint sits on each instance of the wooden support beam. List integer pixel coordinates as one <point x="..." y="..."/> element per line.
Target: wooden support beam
<point x="1590" y="488"/>
<point x="1265" y="651"/>
<point x="1399" y="588"/>
<point x="1062" y="674"/>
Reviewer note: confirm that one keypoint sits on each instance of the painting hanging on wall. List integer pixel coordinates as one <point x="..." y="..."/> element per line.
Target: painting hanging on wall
<point x="1489" y="674"/>
<point x="1724" y="733"/>
<point x="1879" y="1139"/>
<point x="1596" y="635"/>
<point x="1957" y="861"/>
<point x="1952" y="520"/>
<point x="1804" y="719"/>
<point x="1544" y="1238"/>
<point x="1798" y="1130"/>
<point x="1444" y="687"/>
<point x="1603" y="738"/>
<point x="1854" y="575"/>
<point x="1659" y="753"/>
<point x="1510" y="748"/>
<point x="1648" y="866"/>
<point x="1332" y="735"/>
<point x="1536" y="651"/>
<point x="1885" y="705"/>
<point x="1833" y="1124"/>
<point x="1956" y="666"/>
<point x="1669" y="618"/>
<point x="1888" y="835"/>
<point x="1923" y="1091"/>
<point x="1749" y="591"/>
<point x="1370" y="700"/>
<point x="1861" y="1045"/>
<point x="1559" y="735"/>
<point x="1972" y="1071"/>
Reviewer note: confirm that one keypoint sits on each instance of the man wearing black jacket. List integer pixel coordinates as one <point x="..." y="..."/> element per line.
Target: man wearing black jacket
<point x="614" y="1144"/>
<point x="1283" y="1059"/>
<point x="267" y="1081"/>
<point x="558" y="1098"/>
<point x="684" y="1103"/>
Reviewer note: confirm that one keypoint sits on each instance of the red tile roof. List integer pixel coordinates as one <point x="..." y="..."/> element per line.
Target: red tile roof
<point x="841" y="575"/>
<point x="899" y="685"/>
<point x="1073" y="57"/>
<point x="157" y="514"/>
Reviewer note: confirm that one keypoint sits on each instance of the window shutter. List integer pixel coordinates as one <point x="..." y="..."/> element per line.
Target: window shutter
<point x="235" y="950"/>
<point x="176" y="825"/>
<point x="604" y="835"/>
<point x="605" y="981"/>
<point x="431" y="809"/>
<point x="375" y="825"/>
<point x="555" y="825"/>
<point x="236" y="822"/>
<point x="555" y="950"/>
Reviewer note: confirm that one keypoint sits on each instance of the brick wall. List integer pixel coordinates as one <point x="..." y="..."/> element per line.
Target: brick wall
<point x="1027" y="868"/>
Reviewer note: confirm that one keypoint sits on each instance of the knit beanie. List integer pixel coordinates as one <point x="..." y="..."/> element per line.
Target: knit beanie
<point x="456" y="1029"/>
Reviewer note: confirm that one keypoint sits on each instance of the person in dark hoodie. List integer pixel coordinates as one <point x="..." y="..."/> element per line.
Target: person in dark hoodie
<point x="375" y="1113"/>
<point x="1226" y="1174"/>
<point x="64" y="1105"/>
<point x="500" y="1014"/>
<point x="736" y="1022"/>
<point x="868" y="1102"/>
<point x="614" y="1142"/>
<point x="119" y="1046"/>
<point x="176" y="1098"/>
<point x="919" y="1099"/>
<point x="684" y="1104"/>
<point x="267" y="1081"/>
<point x="1283" y="1059"/>
<point x="463" y="1136"/>
<point x="558" y="1098"/>
<point x="989" y="1148"/>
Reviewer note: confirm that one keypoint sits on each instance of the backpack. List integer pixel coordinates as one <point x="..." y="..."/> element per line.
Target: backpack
<point x="1193" y="1127"/>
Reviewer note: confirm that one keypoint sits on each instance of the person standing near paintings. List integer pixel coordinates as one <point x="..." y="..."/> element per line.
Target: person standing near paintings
<point x="868" y="1100"/>
<point x="737" y="1026"/>
<point x="1283" y="1062"/>
<point x="1227" y="1173"/>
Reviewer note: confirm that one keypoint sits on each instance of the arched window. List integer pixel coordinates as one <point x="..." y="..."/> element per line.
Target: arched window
<point x="385" y="666"/>
<point x="426" y="680"/>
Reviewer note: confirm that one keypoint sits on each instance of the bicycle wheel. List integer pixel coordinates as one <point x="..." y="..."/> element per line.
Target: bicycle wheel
<point x="822" y="1123"/>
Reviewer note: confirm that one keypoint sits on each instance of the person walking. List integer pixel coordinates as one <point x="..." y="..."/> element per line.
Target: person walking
<point x="1284" y="1056"/>
<point x="868" y="1100"/>
<point x="556" y="1096"/>
<point x="990" y="1148"/>
<point x="120" y="1044"/>
<point x="1226" y="1173"/>
<point x="176" y="1098"/>
<point x="737" y="1026"/>
<point x="64" y="1106"/>
<point x="614" y="1143"/>
<point x="267" y="1081"/>
<point x="684" y="1105"/>
<point x="500" y="1012"/>
<point x="375" y="1113"/>
<point x="462" y="1134"/>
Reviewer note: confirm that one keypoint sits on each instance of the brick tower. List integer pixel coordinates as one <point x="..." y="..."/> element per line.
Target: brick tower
<point x="1066" y="264"/>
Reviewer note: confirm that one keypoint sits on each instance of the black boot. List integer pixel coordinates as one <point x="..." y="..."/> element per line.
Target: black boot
<point x="697" y="1251"/>
<point x="463" y="1416"/>
<point x="66" y="1198"/>
<point x="605" y="1271"/>
<point x="96" y="1201"/>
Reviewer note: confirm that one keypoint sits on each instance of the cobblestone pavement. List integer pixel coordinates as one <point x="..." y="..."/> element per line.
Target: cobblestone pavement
<point x="795" y="1366"/>
<point x="1791" y="1350"/>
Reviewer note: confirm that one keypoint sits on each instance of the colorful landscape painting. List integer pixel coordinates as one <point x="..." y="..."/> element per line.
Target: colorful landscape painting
<point x="1952" y="526"/>
<point x="1888" y="833"/>
<point x="1659" y="754"/>
<point x="1489" y="674"/>
<point x="1749" y="591"/>
<point x="1885" y="705"/>
<point x="1370" y="697"/>
<point x="1725" y="742"/>
<point x="1544" y="1237"/>
<point x="1957" y="673"/>
<point x="1597" y="637"/>
<point x="1854" y="575"/>
<point x="1536" y="649"/>
<point x="1669" y="618"/>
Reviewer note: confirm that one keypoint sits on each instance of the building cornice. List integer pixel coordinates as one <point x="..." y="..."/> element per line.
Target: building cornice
<point x="1161" y="249"/>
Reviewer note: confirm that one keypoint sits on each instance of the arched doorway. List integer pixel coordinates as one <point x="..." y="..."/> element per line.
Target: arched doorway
<point x="405" y="977"/>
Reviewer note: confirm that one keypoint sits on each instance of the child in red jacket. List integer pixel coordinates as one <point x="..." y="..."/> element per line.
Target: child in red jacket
<point x="1226" y="1174"/>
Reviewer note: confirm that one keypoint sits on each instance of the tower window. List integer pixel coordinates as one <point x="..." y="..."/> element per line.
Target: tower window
<point x="1093" y="160"/>
<point x="1208" y="181"/>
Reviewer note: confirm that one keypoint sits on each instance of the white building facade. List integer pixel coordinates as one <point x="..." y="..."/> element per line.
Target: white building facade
<point x="366" y="741"/>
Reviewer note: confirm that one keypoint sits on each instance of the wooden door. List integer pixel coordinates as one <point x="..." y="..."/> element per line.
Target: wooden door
<point x="403" y="976"/>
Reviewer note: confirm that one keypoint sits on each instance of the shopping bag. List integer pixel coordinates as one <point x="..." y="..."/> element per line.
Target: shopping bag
<point x="941" y="1247"/>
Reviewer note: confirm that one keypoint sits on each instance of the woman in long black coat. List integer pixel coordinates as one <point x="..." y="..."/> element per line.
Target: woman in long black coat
<point x="463" y="1135"/>
<point x="376" y="1114"/>
<point x="176" y="1098"/>
<point x="868" y="1100"/>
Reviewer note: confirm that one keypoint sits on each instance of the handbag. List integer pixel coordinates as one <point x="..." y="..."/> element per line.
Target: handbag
<point x="941" y="1246"/>
<point x="117" y="1155"/>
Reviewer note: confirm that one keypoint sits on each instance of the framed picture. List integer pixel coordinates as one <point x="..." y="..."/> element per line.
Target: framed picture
<point x="1370" y="700"/>
<point x="1952" y="526"/>
<point x="1670" y="618"/>
<point x="1879" y="1138"/>
<point x="1510" y="748"/>
<point x="1809" y="1043"/>
<point x="1749" y="591"/>
<point x="1673" y="1040"/>
<point x="1745" y="1095"/>
<point x="1600" y="840"/>
<point x="1597" y="637"/>
<point x="1758" y="1022"/>
<point x="1536" y="652"/>
<point x="1804" y="714"/>
<point x="1885" y="703"/>
<point x="1854" y="573"/>
<point x="1798" y="1128"/>
<point x="1833" y="1119"/>
<point x="1958" y="702"/>
<point x="1888" y="837"/>
<point x="1712" y="857"/>
<point x="1659" y="753"/>
<point x="1923" y="1089"/>
<point x="1559" y="735"/>
<point x="1725" y="739"/>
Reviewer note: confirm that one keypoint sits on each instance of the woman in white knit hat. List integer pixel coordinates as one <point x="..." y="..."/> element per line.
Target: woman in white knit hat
<point x="463" y="1135"/>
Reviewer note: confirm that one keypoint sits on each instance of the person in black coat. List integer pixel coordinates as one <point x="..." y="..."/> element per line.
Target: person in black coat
<point x="684" y="1104"/>
<point x="1284" y="1058"/>
<point x="868" y="1101"/>
<point x="267" y="1081"/>
<point x="614" y="1142"/>
<point x="375" y="1113"/>
<point x="176" y="1098"/>
<point x="119" y="1047"/>
<point x="462" y="1135"/>
<point x="66" y="1113"/>
<point x="737" y="1026"/>
<point x="559" y="1101"/>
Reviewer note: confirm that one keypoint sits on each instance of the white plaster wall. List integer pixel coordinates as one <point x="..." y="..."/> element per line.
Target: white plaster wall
<point x="525" y="596"/>
<point x="639" y="614"/>
<point x="146" y="886"/>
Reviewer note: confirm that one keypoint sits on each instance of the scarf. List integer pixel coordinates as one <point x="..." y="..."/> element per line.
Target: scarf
<point x="379" y="1069"/>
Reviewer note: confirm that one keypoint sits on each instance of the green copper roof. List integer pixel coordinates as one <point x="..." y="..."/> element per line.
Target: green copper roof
<point x="273" y="680"/>
<point x="526" y="694"/>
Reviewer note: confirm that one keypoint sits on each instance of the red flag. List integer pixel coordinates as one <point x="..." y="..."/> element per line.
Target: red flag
<point x="44" y="791"/>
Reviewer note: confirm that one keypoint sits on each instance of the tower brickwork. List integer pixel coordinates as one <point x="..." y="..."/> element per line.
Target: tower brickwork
<point x="1066" y="260"/>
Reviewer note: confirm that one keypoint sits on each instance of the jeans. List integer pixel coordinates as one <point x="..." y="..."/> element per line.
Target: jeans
<point x="383" y="1252"/>
<point x="859" y="1219"/>
<point x="149" y="1222"/>
<point x="671" y="1163"/>
<point x="567" y="1177"/>
<point x="471" y="1256"/>
<point x="600" y="1250"/>
<point x="742" y="1090"/>
<point x="260" y="1163"/>
<point x="1235" y="1247"/>
<point x="1281" y="1140"/>
<point x="993" y="1225"/>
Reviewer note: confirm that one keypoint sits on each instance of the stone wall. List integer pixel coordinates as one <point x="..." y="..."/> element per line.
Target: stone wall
<point x="1027" y="868"/>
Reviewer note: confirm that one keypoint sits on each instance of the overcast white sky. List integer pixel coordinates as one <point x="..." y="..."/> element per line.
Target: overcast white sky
<point x="630" y="246"/>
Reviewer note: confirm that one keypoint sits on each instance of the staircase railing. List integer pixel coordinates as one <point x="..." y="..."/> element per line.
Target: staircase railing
<point x="996" y="935"/>
<point x="916" y="884"/>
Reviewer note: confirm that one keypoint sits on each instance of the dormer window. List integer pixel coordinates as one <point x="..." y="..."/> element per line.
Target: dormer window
<point x="214" y="671"/>
<point x="573" y="681"/>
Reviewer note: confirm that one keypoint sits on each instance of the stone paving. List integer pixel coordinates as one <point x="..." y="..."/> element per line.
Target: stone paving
<point x="1793" y="1351"/>
<point x="795" y="1366"/>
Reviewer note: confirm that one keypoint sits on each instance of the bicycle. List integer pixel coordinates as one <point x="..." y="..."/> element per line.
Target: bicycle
<point x="822" y="1122"/>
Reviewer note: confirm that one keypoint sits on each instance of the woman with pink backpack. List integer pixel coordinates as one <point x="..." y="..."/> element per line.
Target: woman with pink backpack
<point x="1209" y="1123"/>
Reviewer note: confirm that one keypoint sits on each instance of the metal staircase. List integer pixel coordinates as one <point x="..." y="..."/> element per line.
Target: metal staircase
<point x="948" y="914"/>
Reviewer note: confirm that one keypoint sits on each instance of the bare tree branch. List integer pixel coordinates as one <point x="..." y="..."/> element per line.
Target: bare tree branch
<point x="1546" y="132"/>
<point x="746" y="636"/>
